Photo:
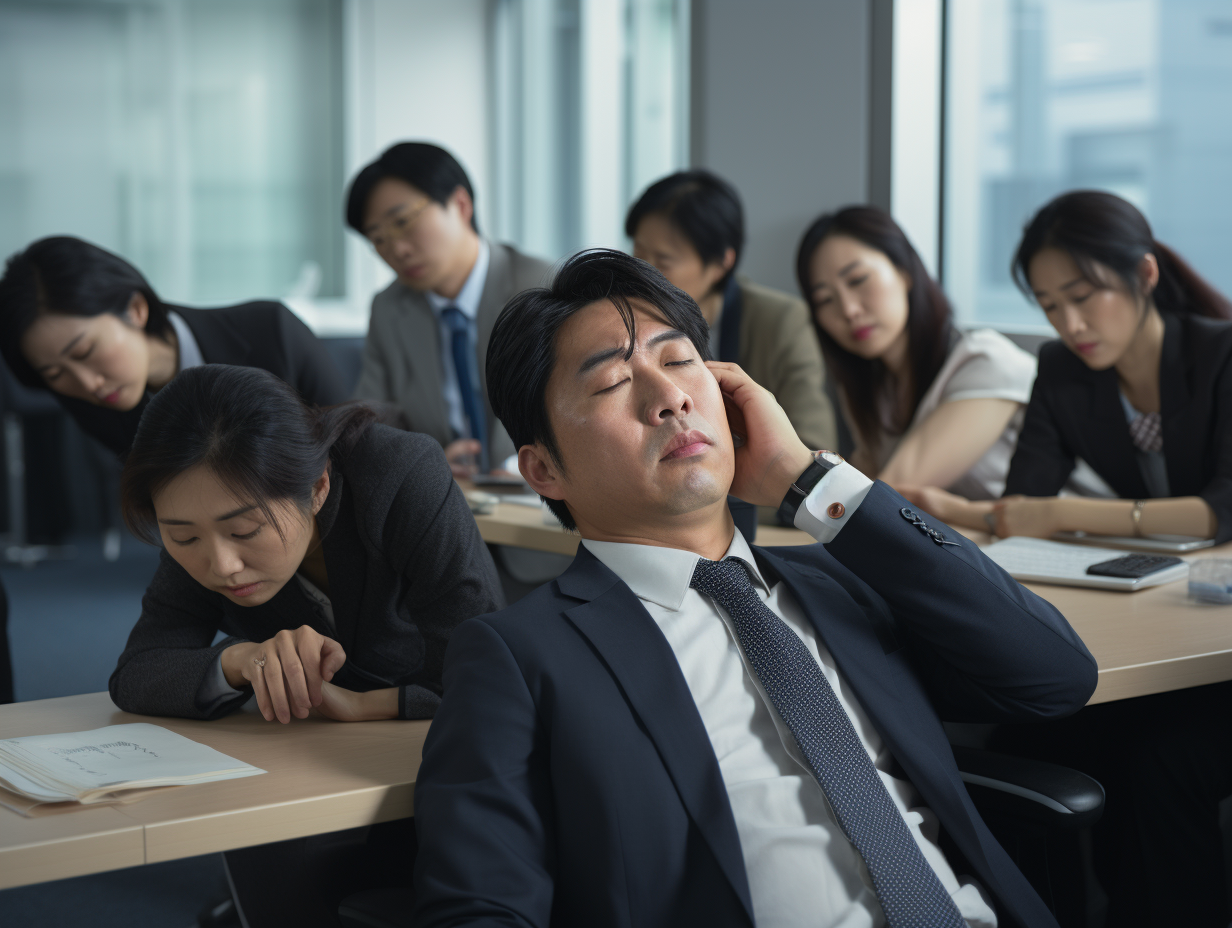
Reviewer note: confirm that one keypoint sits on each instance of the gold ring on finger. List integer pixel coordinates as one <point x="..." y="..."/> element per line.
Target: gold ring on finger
<point x="259" y="661"/>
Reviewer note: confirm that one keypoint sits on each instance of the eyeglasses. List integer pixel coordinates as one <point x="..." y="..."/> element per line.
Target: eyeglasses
<point x="397" y="227"/>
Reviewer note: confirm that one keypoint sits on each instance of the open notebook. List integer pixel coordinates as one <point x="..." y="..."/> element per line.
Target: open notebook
<point x="1040" y="561"/>
<point x="100" y="765"/>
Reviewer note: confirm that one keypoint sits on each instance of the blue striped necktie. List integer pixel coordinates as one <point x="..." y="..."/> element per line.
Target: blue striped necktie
<point x="908" y="888"/>
<point x="464" y="370"/>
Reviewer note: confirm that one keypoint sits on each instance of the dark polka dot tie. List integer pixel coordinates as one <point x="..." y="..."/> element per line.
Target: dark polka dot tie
<point x="911" y="895"/>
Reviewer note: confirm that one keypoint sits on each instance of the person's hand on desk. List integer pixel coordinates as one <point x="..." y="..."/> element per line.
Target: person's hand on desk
<point x="771" y="455"/>
<point x="1036" y="517"/>
<point x="349" y="706"/>
<point x="462" y="456"/>
<point x="286" y="672"/>
<point x="951" y="508"/>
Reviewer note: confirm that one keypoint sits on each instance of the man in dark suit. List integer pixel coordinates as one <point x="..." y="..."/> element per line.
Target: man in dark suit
<point x="429" y="329"/>
<point x="686" y="730"/>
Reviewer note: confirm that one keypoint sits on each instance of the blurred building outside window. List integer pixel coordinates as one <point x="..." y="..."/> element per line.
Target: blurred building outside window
<point x="200" y="139"/>
<point x="590" y="105"/>
<point x="1044" y="96"/>
<point x="209" y="141"/>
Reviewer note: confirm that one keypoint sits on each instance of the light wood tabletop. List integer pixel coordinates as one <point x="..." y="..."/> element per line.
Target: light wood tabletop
<point x="523" y="527"/>
<point x="321" y="776"/>
<point x="1150" y="641"/>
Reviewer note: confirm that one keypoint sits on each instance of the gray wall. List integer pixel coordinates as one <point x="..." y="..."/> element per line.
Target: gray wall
<point x="780" y="106"/>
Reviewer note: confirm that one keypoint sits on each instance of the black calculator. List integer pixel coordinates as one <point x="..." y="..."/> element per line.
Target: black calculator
<point x="1133" y="566"/>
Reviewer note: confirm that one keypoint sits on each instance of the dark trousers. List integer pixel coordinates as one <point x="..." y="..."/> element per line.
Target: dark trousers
<point x="6" y="661"/>
<point x="300" y="882"/>
<point x="1165" y="762"/>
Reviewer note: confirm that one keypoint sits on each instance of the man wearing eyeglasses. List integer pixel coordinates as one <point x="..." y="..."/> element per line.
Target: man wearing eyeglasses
<point x="429" y="330"/>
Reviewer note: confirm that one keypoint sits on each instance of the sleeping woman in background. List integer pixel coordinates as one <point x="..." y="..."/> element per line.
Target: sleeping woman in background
<point x="336" y="555"/>
<point x="927" y="404"/>
<point x="85" y="324"/>
<point x="1139" y="384"/>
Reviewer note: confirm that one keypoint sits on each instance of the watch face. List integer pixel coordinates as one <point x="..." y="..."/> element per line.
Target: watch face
<point x="829" y="457"/>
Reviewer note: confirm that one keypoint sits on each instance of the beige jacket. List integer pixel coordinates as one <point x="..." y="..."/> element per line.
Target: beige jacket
<point x="779" y="350"/>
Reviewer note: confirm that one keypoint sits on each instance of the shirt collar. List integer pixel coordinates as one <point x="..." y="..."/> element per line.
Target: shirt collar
<point x="189" y="350"/>
<point x="662" y="575"/>
<point x="468" y="297"/>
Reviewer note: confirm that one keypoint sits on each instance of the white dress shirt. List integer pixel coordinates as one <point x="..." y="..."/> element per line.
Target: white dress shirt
<point x="467" y="301"/>
<point x="801" y="867"/>
<point x="189" y="351"/>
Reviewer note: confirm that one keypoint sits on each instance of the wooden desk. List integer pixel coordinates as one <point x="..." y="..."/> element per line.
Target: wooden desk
<point x="1151" y="641"/>
<point x="522" y="527"/>
<point x="321" y="776"/>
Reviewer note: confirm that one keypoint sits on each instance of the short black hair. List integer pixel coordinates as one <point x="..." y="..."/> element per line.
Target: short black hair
<point x="522" y="349"/>
<point x="428" y="168"/>
<point x="71" y="277"/>
<point x="705" y="209"/>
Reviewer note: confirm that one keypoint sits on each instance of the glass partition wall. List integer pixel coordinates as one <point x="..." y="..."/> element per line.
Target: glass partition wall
<point x="1043" y="96"/>
<point x="201" y="139"/>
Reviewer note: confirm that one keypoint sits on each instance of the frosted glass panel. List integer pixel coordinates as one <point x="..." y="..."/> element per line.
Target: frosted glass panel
<point x="589" y="107"/>
<point x="1130" y="96"/>
<point x="201" y="139"/>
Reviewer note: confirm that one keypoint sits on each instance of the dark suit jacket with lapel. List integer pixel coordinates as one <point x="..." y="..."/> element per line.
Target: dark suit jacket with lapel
<point x="402" y="354"/>
<point x="568" y="778"/>
<point x="1076" y="412"/>
<point x="262" y="334"/>
<point x="406" y="565"/>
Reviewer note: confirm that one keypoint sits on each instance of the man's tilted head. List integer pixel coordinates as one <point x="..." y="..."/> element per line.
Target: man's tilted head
<point x="600" y="380"/>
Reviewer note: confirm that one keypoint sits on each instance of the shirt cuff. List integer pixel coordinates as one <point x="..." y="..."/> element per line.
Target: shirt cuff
<point x="214" y="690"/>
<point x="832" y="502"/>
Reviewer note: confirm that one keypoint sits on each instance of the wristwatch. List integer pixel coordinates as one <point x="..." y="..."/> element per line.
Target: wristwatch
<point x="823" y="463"/>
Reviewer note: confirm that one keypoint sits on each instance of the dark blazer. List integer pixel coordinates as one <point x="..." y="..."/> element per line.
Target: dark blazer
<point x="568" y="778"/>
<point x="262" y="334"/>
<point x="406" y="565"/>
<point x="1076" y="412"/>
<point x="402" y="353"/>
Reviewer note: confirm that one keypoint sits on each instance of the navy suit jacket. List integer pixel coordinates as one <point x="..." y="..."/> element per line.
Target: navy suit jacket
<point x="568" y="779"/>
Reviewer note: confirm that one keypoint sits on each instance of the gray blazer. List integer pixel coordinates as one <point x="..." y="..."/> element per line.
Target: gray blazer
<point x="406" y="565"/>
<point x="402" y="354"/>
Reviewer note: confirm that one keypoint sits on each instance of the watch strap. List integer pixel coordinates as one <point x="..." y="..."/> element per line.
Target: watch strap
<point x="803" y="485"/>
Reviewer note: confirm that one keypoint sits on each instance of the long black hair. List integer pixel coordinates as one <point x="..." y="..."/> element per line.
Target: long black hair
<point x="246" y="426"/>
<point x="929" y="319"/>
<point x="71" y="277"/>
<point x="1097" y="228"/>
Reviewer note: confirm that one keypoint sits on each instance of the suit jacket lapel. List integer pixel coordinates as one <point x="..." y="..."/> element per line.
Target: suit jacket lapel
<point x="220" y="341"/>
<point x="421" y="339"/>
<point x="1181" y="452"/>
<point x="1109" y="449"/>
<point x="618" y="626"/>
<point x="496" y="290"/>
<point x="851" y="634"/>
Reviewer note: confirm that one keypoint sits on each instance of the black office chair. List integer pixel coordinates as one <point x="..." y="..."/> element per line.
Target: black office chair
<point x="1023" y="801"/>
<point x="1032" y="806"/>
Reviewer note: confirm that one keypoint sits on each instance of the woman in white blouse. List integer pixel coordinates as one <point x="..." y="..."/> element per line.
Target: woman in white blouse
<point x="928" y="405"/>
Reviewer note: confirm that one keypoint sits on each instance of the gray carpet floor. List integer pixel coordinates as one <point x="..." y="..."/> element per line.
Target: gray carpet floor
<point x="68" y="622"/>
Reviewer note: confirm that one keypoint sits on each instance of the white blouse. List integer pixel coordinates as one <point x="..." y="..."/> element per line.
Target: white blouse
<point x="983" y="364"/>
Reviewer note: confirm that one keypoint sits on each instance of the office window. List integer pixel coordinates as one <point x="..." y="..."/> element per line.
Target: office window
<point x="1043" y="96"/>
<point x="589" y="106"/>
<point x="200" y="139"/>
